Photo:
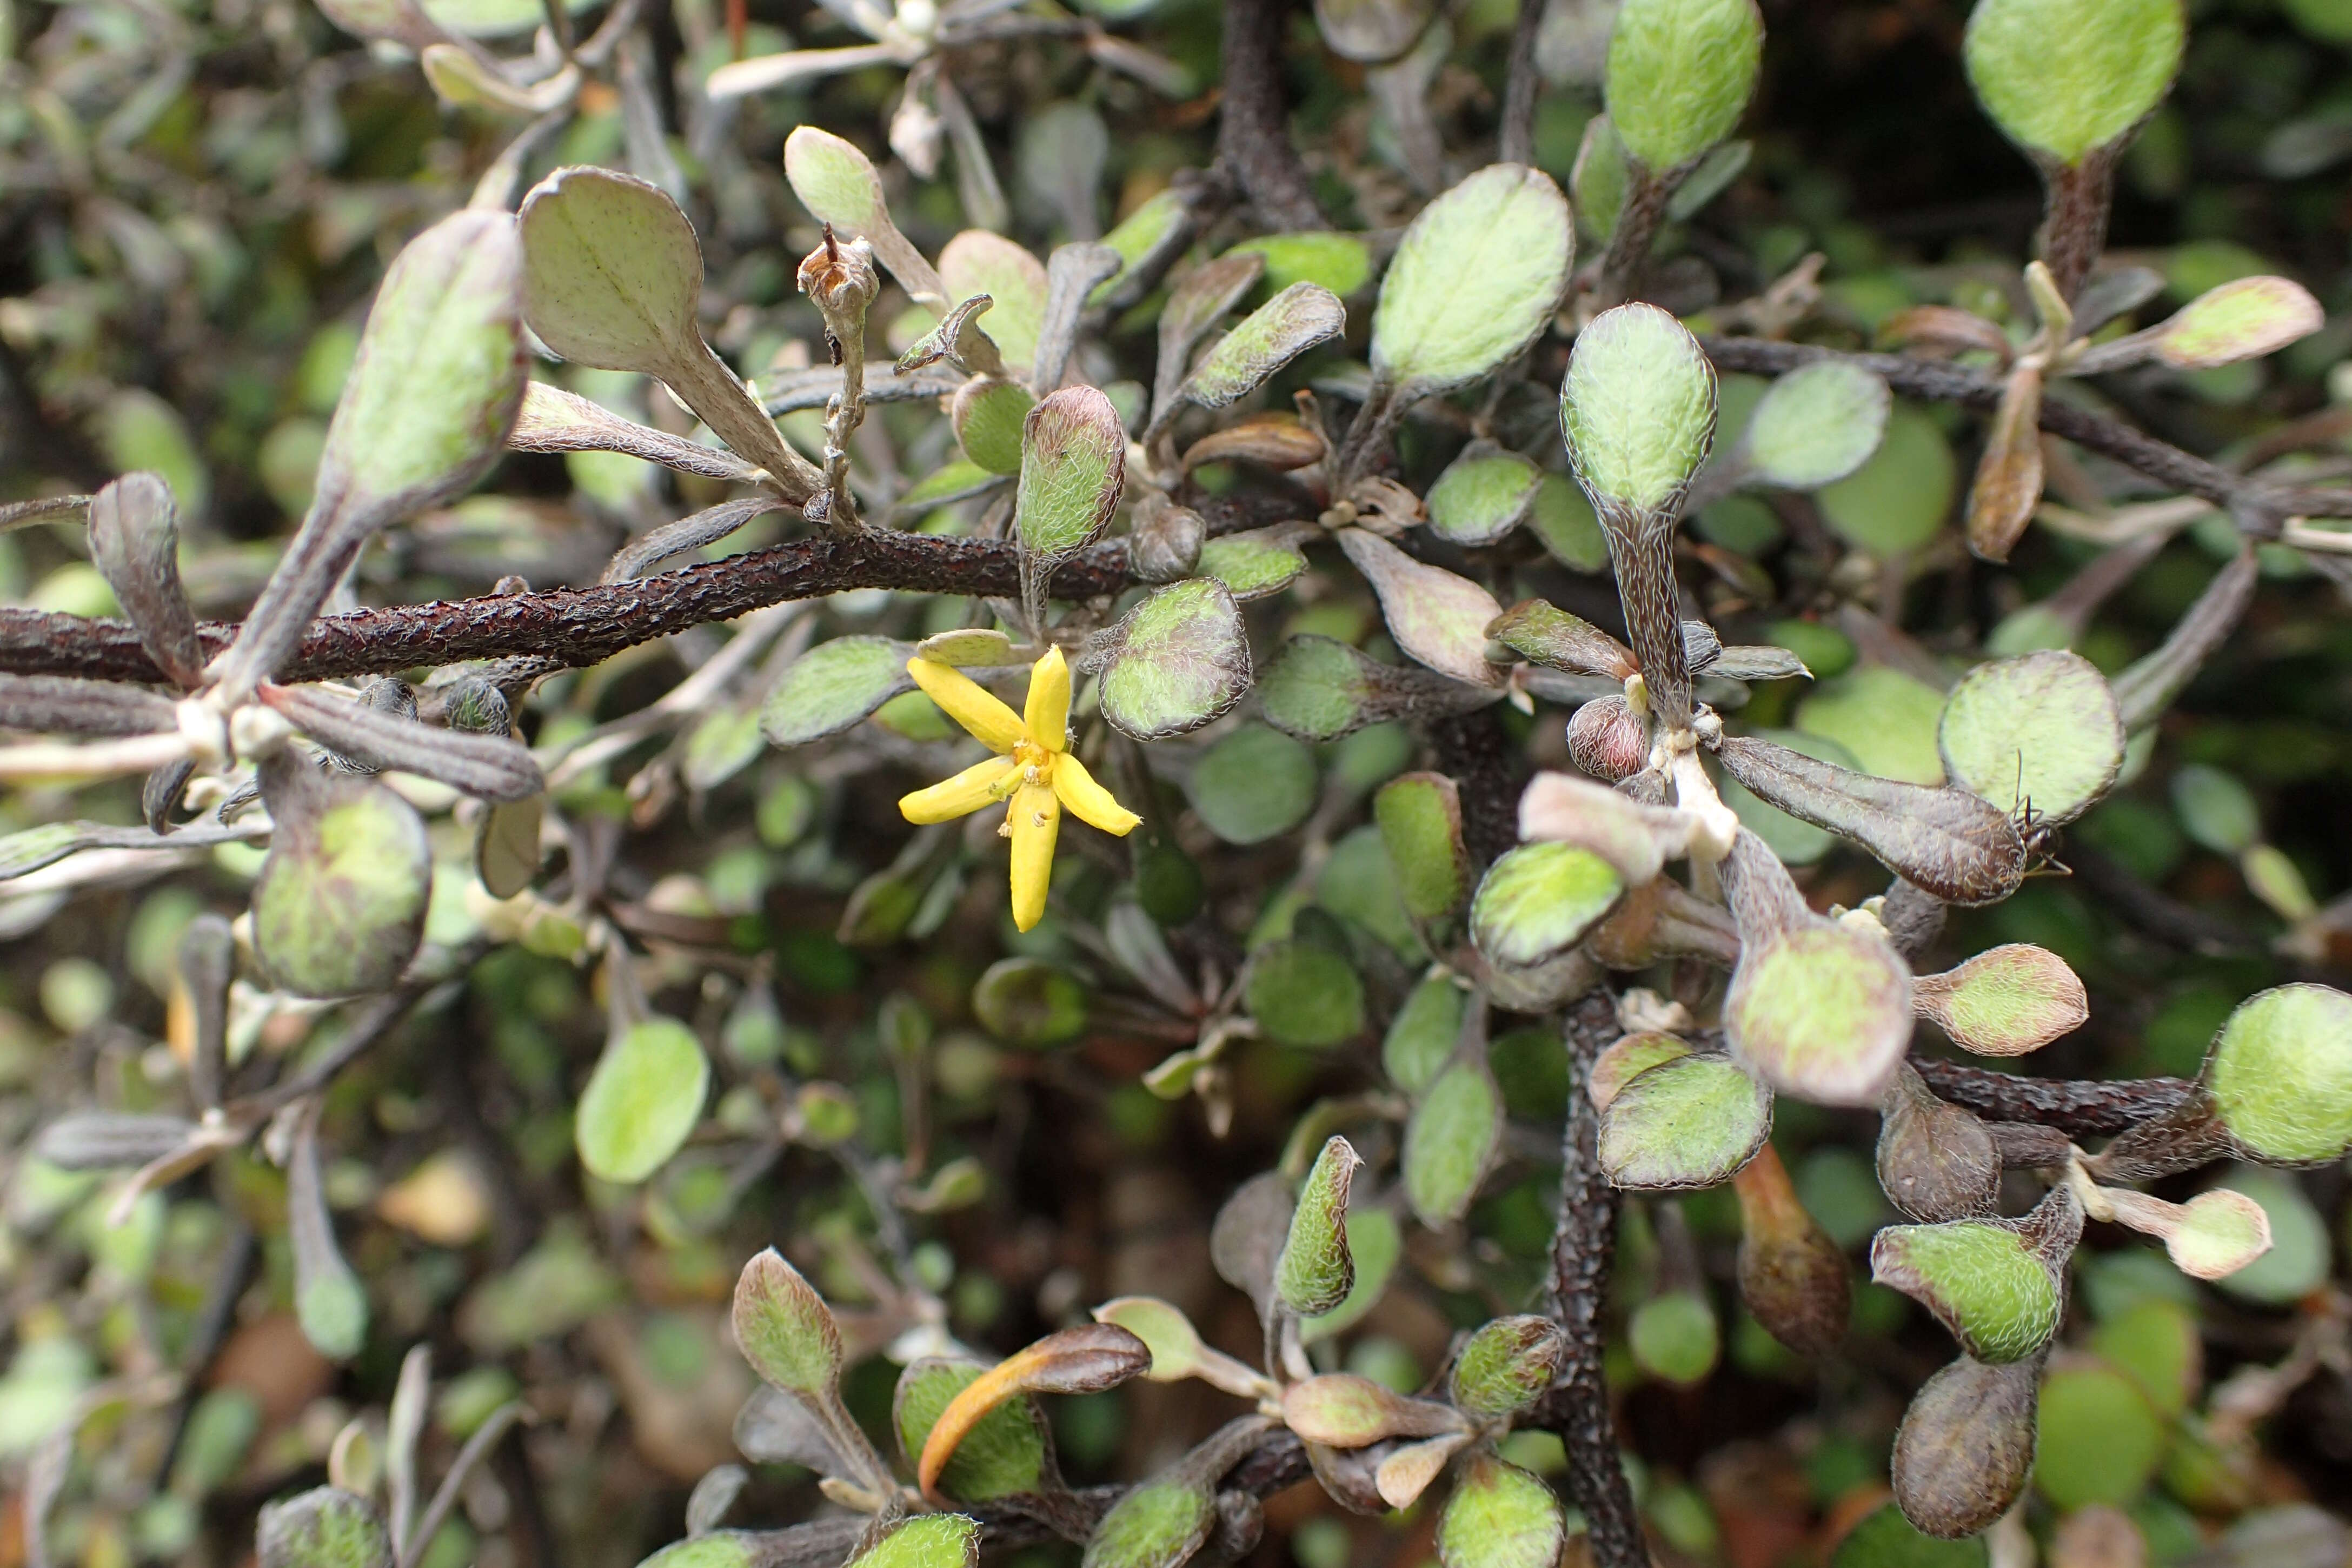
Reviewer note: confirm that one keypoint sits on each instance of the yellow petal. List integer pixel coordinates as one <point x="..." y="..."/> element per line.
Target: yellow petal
<point x="1048" y="713"/>
<point x="968" y="703"/>
<point x="983" y="784"/>
<point x="1088" y="800"/>
<point x="1036" y="821"/>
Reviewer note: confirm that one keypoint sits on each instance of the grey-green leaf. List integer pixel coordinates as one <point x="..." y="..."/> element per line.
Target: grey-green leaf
<point x="1072" y="469"/>
<point x="1476" y="279"/>
<point x="1437" y="617"/>
<point x="1482" y="495"/>
<point x="1008" y="1453"/>
<point x="1315" y="1272"/>
<point x="2066" y="78"/>
<point x="1815" y="426"/>
<point x="832" y="686"/>
<point x="2043" y="731"/>
<point x="1420" y="816"/>
<point x="1824" y="1012"/>
<point x="1539" y="898"/>
<point x="1680" y="74"/>
<point x="339" y="908"/>
<point x="1253" y="784"/>
<point x="1499" y="1516"/>
<point x="1690" y="1121"/>
<point x="642" y="1100"/>
<point x="784" y="1329"/>
<point x="1177" y="660"/>
<point x="1450" y="1142"/>
<point x="1637" y="407"/>
<point x="1268" y="338"/>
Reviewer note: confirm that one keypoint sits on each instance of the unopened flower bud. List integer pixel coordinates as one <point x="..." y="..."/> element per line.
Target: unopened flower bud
<point x="1607" y="741"/>
<point x="1935" y="1161"/>
<point x="1966" y="1445"/>
<point x="1166" y="540"/>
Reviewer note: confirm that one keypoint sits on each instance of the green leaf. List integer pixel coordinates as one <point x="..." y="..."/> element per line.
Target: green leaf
<point x="1246" y="358"/>
<point x="1072" y="468"/>
<point x="323" y="1528"/>
<point x="1175" y="1344"/>
<point x="924" y="1540"/>
<point x="1637" y="406"/>
<point x="722" y="744"/>
<point x="839" y="185"/>
<point x="1155" y="224"/>
<point x="1302" y="993"/>
<point x="1343" y="1410"/>
<point x="1028" y="1002"/>
<point x="1253" y="784"/>
<point x="2100" y="1439"/>
<point x="1689" y="1121"/>
<point x="1177" y="660"/>
<point x="1254" y="563"/>
<point x="1596" y="180"/>
<point x="2041" y="733"/>
<point x="2238" y="320"/>
<point x="1539" y="898"/>
<point x="2280" y="1075"/>
<point x="1822" y="1011"/>
<point x="1901" y="497"/>
<point x="339" y="909"/>
<point x="1421" y="1036"/>
<point x="1421" y="823"/>
<point x="1815" y="426"/>
<point x="1008" y="1452"/>
<point x="1376" y="1243"/>
<point x="1339" y="262"/>
<point x="832" y="686"/>
<point x="1564" y="520"/>
<point x="1450" y="1142"/>
<point x="642" y="1100"/>
<point x="1438" y="618"/>
<point x="2004" y="1001"/>
<point x="957" y="479"/>
<point x="1885" y="721"/>
<point x="1482" y="495"/>
<point x="437" y="385"/>
<point x="979" y="262"/>
<point x="1981" y="1279"/>
<point x="2298" y="1261"/>
<point x="1159" y="1524"/>
<point x="2066" y="78"/>
<point x="2216" y="810"/>
<point x="1500" y="1517"/>
<point x="1885" y="1539"/>
<point x="1476" y="279"/>
<point x="1674" y="1335"/>
<point x="712" y="1549"/>
<point x="988" y="416"/>
<point x="1680" y="74"/>
<point x="1315" y="1271"/>
<point x="613" y="273"/>
<point x="785" y="1330"/>
<point x="1506" y="1365"/>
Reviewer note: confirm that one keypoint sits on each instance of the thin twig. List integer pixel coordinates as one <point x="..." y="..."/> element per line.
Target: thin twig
<point x="2079" y="1105"/>
<point x="1254" y="130"/>
<point x="1521" y="86"/>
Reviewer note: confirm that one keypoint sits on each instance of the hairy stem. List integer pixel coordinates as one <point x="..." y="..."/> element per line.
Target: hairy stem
<point x="1253" y="133"/>
<point x="2074" y="217"/>
<point x="1583" y="1246"/>
<point x="1638" y="218"/>
<point x="1520" y="88"/>
<point x="2079" y="1105"/>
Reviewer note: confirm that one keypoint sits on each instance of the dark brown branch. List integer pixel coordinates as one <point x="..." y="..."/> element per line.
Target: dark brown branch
<point x="1583" y="1249"/>
<point x="1521" y="86"/>
<point x="577" y="627"/>
<point x="2081" y="1107"/>
<point x="2259" y="508"/>
<point x="2074" y="217"/>
<point x="1254" y="130"/>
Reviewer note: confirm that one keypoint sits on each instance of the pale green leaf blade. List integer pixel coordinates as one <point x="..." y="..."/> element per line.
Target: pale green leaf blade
<point x="1450" y="1142"/>
<point x="1315" y="1272"/>
<point x="1637" y="408"/>
<point x="1690" y="1121"/>
<point x="784" y="1329"/>
<point x="1508" y="228"/>
<point x="642" y="1100"/>
<point x="1539" y="898"/>
<point x="1822" y="1011"/>
<point x="2066" y="78"/>
<point x="1176" y="661"/>
<point x="2042" y="732"/>
<point x="1073" y="471"/>
<point x="1680" y="73"/>
<point x="832" y="686"/>
<point x="1815" y="426"/>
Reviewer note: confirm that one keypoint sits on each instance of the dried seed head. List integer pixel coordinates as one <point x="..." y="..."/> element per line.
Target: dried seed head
<point x="839" y="278"/>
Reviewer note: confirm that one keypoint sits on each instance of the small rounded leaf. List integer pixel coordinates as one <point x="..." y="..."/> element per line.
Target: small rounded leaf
<point x="2220" y="1232"/>
<point x="1177" y="660"/>
<point x="1450" y="1142"/>
<point x="1438" y="618"/>
<point x="1680" y="73"/>
<point x="2280" y="1075"/>
<point x="784" y="1329"/>
<point x="1028" y="1002"/>
<point x="988" y="415"/>
<point x="1674" y="1336"/>
<point x="1689" y="1121"/>
<point x="1499" y="1516"/>
<point x="1481" y="496"/>
<point x="1815" y="426"/>
<point x="1246" y="358"/>
<point x="2005" y="1002"/>
<point x="1253" y="784"/>
<point x="832" y="686"/>
<point x="1421" y="1035"/>
<point x="979" y="262"/>
<point x="323" y="1528"/>
<point x="1475" y="278"/>
<point x="1981" y="1278"/>
<point x="2238" y="320"/>
<point x="642" y="1100"/>
<point x="1174" y="1342"/>
<point x="1006" y="1453"/>
<point x="1637" y="407"/>
<point x="835" y="182"/>
<point x="1304" y="995"/>
<point x="924" y="1540"/>
<point x="1342" y="1410"/>
<point x="1539" y="898"/>
<point x="2041" y="732"/>
<point x="1888" y="1540"/>
<point x="1420" y="816"/>
<point x="339" y="906"/>
<point x="612" y="271"/>
<point x="1822" y="1011"/>
<point x="2066" y="78"/>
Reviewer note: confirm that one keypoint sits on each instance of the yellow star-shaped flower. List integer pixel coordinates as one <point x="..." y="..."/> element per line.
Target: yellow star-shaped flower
<point x="1032" y="769"/>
